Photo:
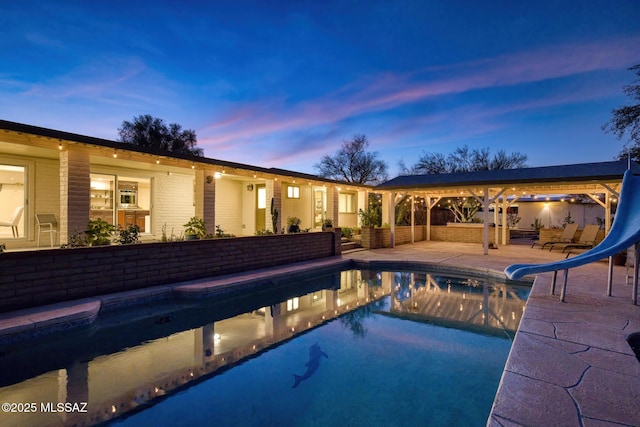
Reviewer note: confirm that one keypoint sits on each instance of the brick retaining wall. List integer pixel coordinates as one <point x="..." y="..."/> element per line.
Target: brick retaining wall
<point x="465" y="234"/>
<point x="34" y="278"/>
<point x="373" y="238"/>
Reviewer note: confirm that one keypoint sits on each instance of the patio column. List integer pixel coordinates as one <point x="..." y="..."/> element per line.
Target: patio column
<point x="413" y="218"/>
<point x="496" y="217"/>
<point x="75" y="191"/>
<point x="485" y="212"/>
<point x="392" y="219"/>
<point x="274" y="192"/>
<point x="332" y="205"/>
<point x="429" y="207"/>
<point x="205" y="197"/>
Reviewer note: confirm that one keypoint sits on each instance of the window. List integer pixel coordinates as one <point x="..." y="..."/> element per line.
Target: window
<point x="293" y="192"/>
<point x="262" y="198"/>
<point x="347" y="203"/>
<point x="293" y="304"/>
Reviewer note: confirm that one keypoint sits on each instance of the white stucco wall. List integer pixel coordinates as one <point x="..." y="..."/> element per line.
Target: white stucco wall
<point x="555" y="212"/>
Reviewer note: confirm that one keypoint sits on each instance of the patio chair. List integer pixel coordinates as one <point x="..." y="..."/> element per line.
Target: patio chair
<point x="47" y="223"/>
<point x="13" y="222"/>
<point x="587" y="239"/>
<point x="568" y="234"/>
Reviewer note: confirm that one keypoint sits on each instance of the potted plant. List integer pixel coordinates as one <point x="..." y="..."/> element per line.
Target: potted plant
<point x="368" y="218"/>
<point x="327" y="224"/>
<point x="128" y="235"/>
<point x="293" y="224"/>
<point x="195" y="229"/>
<point x="99" y="232"/>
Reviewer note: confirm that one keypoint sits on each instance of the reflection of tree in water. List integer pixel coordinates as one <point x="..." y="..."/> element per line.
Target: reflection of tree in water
<point x="354" y="320"/>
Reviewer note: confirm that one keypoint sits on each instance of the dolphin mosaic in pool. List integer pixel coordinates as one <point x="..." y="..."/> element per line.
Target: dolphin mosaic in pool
<point x="315" y="355"/>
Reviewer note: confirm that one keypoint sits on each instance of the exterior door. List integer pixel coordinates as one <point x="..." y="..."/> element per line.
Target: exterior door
<point x="261" y="207"/>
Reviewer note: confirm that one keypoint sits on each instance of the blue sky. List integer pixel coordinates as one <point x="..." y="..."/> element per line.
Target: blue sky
<point x="279" y="84"/>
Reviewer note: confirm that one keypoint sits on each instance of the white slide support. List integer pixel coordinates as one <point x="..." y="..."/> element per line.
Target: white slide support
<point x="625" y="232"/>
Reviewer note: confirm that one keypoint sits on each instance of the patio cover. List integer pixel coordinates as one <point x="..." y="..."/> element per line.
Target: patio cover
<point x="489" y="186"/>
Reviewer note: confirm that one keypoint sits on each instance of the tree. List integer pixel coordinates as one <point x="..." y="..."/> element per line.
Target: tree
<point x="463" y="159"/>
<point x="352" y="163"/>
<point x="626" y="119"/>
<point x="152" y="132"/>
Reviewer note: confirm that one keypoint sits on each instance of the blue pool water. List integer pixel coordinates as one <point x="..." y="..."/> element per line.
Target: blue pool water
<point x="388" y="348"/>
<point x="398" y="373"/>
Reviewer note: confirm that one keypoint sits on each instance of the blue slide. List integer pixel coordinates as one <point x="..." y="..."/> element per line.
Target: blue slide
<point x="625" y="232"/>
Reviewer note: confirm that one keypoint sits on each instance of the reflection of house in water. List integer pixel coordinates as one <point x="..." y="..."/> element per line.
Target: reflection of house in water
<point x="472" y="304"/>
<point x="130" y="357"/>
<point x="169" y="347"/>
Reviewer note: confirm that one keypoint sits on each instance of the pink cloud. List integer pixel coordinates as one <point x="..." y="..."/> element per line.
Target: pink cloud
<point x="277" y="119"/>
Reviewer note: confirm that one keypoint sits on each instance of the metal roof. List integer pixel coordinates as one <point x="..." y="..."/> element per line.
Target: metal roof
<point x="563" y="174"/>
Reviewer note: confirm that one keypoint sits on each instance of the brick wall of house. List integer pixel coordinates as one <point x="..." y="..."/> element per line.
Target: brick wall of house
<point x="229" y="207"/>
<point x="173" y="203"/>
<point x="34" y="278"/>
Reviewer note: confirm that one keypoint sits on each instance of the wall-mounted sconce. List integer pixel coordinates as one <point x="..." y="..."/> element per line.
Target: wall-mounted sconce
<point x="249" y="187"/>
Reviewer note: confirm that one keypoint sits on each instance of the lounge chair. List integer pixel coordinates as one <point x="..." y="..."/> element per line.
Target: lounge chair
<point x="587" y="239"/>
<point x="568" y="234"/>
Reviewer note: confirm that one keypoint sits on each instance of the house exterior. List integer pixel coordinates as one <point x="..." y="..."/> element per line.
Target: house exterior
<point x="78" y="178"/>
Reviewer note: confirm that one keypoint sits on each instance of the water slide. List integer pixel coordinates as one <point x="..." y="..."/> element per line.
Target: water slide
<point x="625" y="232"/>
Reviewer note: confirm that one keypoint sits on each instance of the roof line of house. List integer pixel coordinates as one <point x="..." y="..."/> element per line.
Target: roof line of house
<point x="84" y="139"/>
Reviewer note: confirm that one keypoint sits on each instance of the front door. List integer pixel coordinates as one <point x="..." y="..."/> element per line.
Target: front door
<point x="261" y="207"/>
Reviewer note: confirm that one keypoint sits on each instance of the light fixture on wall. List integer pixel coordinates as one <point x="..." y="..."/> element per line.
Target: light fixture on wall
<point x="249" y="187"/>
<point x="60" y="145"/>
<point x="115" y="154"/>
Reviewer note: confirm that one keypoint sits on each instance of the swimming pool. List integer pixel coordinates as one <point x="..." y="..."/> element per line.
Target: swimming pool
<point x="368" y="347"/>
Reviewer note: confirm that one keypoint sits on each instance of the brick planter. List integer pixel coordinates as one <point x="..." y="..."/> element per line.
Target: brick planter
<point x="33" y="278"/>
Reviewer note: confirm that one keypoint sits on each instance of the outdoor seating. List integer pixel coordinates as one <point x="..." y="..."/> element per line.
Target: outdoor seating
<point x="14" y="221"/>
<point x="568" y="234"/>
<point x="587" y="239"/>
<point x="47" y="223"/>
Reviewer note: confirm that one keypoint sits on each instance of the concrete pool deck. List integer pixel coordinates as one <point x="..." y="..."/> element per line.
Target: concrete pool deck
<point x="570" y="364"/>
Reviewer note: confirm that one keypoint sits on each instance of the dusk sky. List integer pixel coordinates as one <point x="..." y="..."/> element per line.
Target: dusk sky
<point x="279" y="84"/>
